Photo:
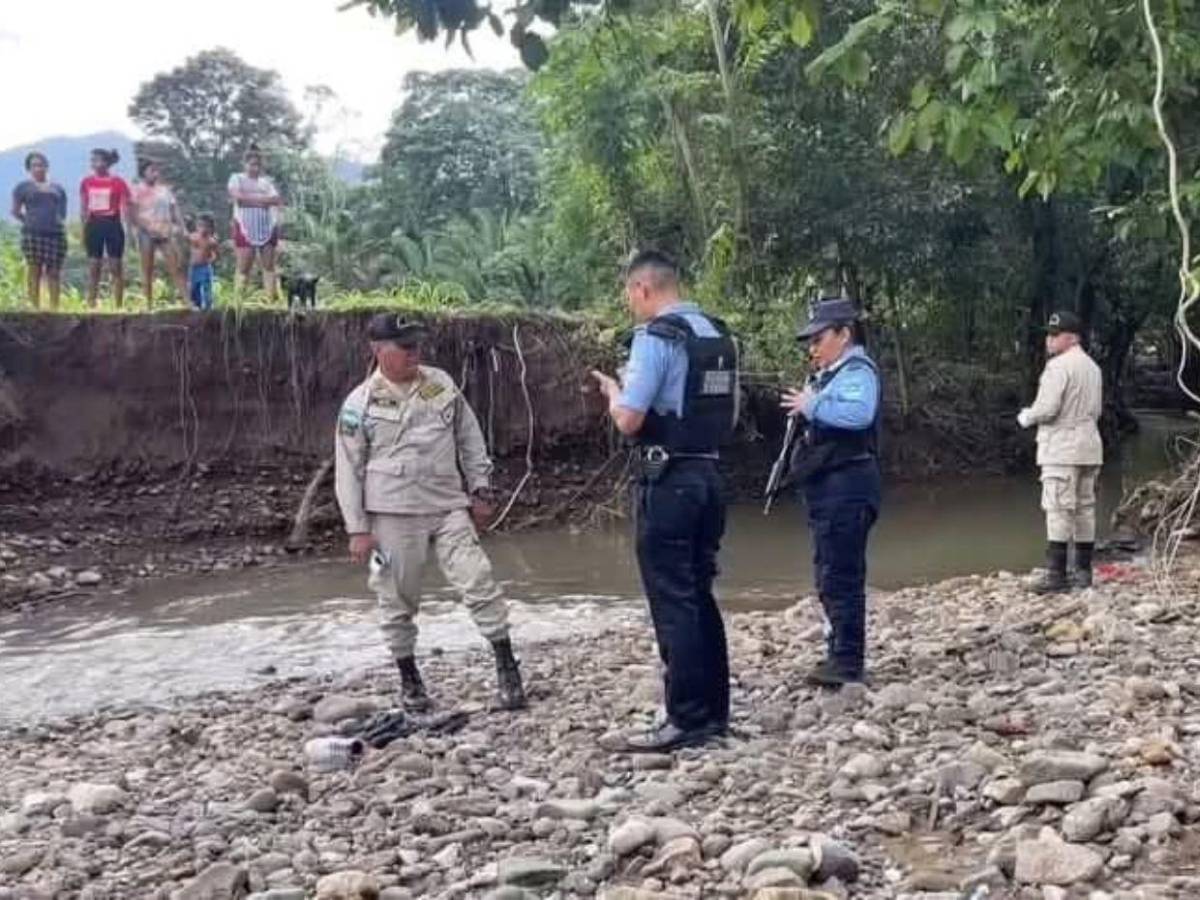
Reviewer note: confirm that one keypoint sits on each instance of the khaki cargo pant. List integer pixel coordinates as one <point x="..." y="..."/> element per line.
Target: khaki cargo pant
<point x="1069" y="501"/>
<point x="404" y="542"/>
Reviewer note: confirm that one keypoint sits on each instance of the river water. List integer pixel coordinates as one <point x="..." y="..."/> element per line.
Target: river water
<point x="183" y="636"/>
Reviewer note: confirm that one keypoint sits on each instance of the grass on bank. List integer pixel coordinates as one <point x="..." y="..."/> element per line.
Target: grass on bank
<point x="766" y="326"/>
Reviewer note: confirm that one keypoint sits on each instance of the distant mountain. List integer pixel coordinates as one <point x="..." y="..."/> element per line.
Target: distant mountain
<point x="349" y="170"/>
<point x="70" y="159"/>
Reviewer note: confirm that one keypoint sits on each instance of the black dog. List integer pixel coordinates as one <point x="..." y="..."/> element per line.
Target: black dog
<point x="301" y="290"/>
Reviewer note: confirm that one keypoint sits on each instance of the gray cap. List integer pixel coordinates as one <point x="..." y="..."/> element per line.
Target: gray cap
<point x="393" y="327"/>
<point x="827" y="313"/>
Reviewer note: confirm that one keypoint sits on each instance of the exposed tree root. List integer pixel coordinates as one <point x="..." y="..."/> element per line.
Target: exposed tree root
<point x="299" y="535"/>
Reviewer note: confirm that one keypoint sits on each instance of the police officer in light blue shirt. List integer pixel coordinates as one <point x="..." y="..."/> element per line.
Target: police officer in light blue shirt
<point x="679" y="404"/>
<point x="836" y="467"/>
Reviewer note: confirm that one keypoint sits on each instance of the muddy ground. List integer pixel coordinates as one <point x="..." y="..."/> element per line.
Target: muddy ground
<point x="61" y="539"/>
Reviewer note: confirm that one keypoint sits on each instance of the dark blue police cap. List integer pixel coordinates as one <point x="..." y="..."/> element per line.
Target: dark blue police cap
<point x="393" y="327"/>
<point x="827" y="313"/>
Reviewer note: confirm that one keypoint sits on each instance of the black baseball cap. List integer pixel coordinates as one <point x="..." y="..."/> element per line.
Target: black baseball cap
<point x="827" y="313"/>
<point x="393" y="327"/>
<point x="1064" y="320"/>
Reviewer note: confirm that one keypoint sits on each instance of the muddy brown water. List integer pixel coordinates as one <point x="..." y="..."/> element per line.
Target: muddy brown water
<point x="231" y="630"/>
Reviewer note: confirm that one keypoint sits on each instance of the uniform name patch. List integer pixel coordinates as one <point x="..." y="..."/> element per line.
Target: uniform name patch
<point x="717" y="382"/>
<point x="349" y="422"/>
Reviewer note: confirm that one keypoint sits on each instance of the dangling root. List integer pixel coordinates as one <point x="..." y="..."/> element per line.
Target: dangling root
<point x="529" y="443"/>
<point x="299" y="534"/>
<point x="565" y="507"/>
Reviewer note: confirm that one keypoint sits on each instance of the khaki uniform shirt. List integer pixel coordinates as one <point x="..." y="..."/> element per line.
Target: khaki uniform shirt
<point x="407" y="449"/>
<point x="1066" y="411"/>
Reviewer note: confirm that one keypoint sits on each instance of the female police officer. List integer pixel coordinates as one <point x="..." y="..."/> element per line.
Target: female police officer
<point x="836" y="466"/>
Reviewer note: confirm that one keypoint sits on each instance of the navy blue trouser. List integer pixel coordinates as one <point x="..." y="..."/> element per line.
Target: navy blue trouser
<point x="842" y="506"/>
<point x="680" y="520"/>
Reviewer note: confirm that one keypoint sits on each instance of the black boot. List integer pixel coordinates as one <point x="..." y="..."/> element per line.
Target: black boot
<point x="510" y="694"/>
<point x="1055" y="580"/>
<point x="1082" y="576"/>
<point x="829" y="674"/>
<point x="412" y="688"/>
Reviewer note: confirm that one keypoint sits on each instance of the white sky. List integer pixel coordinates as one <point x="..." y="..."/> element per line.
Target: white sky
<point x="72" y="66"/>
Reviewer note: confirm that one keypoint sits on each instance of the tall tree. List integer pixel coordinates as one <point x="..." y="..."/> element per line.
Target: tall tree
<point x="461" y="140"/>
<point x="200" y="117"/>
<point x="1057" y="94"/>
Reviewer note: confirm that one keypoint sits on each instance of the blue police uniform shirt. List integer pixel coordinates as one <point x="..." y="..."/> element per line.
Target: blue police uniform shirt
<point x="851" y="398"/>
<point x="656" y="375"/>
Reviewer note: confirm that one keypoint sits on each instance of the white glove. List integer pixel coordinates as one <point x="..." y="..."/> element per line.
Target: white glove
<point x="1024" y="418"/>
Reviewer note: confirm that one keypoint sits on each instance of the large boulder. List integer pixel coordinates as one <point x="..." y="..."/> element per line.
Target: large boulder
<point x="337" y="707"/>
<point x="1051" y="860"/>
<point x="96" y="799"/>
<point x="220" y="881"/>
<point x="1060" y="765"/>
<point x="348" y="885"/>
<point x="629" y="836"/>
<point x="1084" y="821"/>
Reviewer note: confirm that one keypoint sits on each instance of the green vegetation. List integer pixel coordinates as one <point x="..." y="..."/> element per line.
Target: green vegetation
<point x="960" y="167"/>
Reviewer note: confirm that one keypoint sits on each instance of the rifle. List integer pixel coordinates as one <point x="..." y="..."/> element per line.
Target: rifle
<point x="775" y="481"/>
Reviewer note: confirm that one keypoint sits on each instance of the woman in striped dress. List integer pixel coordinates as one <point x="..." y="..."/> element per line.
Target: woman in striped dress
<point x="256" y="202"/>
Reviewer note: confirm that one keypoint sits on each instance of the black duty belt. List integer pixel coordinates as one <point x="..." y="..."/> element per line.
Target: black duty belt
<point x="652" y="461"/>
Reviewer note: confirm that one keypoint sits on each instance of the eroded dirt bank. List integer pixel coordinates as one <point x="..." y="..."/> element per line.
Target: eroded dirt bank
<point x="1010" y="746"/>
<point x="132" y="446"/>
<point x="154" y="391"/>
<point x="135" y="446"/>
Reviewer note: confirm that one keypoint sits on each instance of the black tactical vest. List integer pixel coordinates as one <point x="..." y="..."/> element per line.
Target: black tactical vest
<point x="824" y="447"/>
<point x="709" y="393"/>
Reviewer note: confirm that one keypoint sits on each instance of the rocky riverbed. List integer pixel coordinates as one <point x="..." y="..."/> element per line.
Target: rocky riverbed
<point x="1008" y="746"/>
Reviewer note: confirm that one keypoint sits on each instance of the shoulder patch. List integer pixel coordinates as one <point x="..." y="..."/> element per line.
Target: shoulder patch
<point x="430" y="390"/>
<point x="852" y="391"/>
<point x="349" y="422"/>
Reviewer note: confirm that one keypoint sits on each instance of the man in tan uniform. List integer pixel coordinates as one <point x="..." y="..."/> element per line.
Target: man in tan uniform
<point x="406" y="441"/>
<point x="1070" y="452"/>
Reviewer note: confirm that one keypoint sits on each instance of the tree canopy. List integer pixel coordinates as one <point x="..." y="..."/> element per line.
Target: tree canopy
<point x="200" y="117"/>
<point x="460" y="140"/>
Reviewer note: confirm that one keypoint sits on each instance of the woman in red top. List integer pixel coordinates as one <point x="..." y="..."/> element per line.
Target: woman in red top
<point x="104" y="206"/>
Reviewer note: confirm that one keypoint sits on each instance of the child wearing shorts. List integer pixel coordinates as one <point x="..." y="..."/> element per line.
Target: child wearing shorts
<point x="204" y="250"/>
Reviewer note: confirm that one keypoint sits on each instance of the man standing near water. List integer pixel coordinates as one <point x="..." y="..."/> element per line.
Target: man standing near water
<point x="406" y="440"/>
<point x="679" y="403"/>
<point x="1070" y="452"/>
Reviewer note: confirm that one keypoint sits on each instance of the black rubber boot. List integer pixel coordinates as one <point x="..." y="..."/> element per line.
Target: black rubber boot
<point x="510" y="693"/>
<point x="412" y="688"/>
<point x="1082" y="576"/>
<point x="1055" y="580"/>
<point x="829" y="674"/>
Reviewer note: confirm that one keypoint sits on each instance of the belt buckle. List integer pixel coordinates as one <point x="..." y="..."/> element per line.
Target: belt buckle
<point x="656" y="455"/>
